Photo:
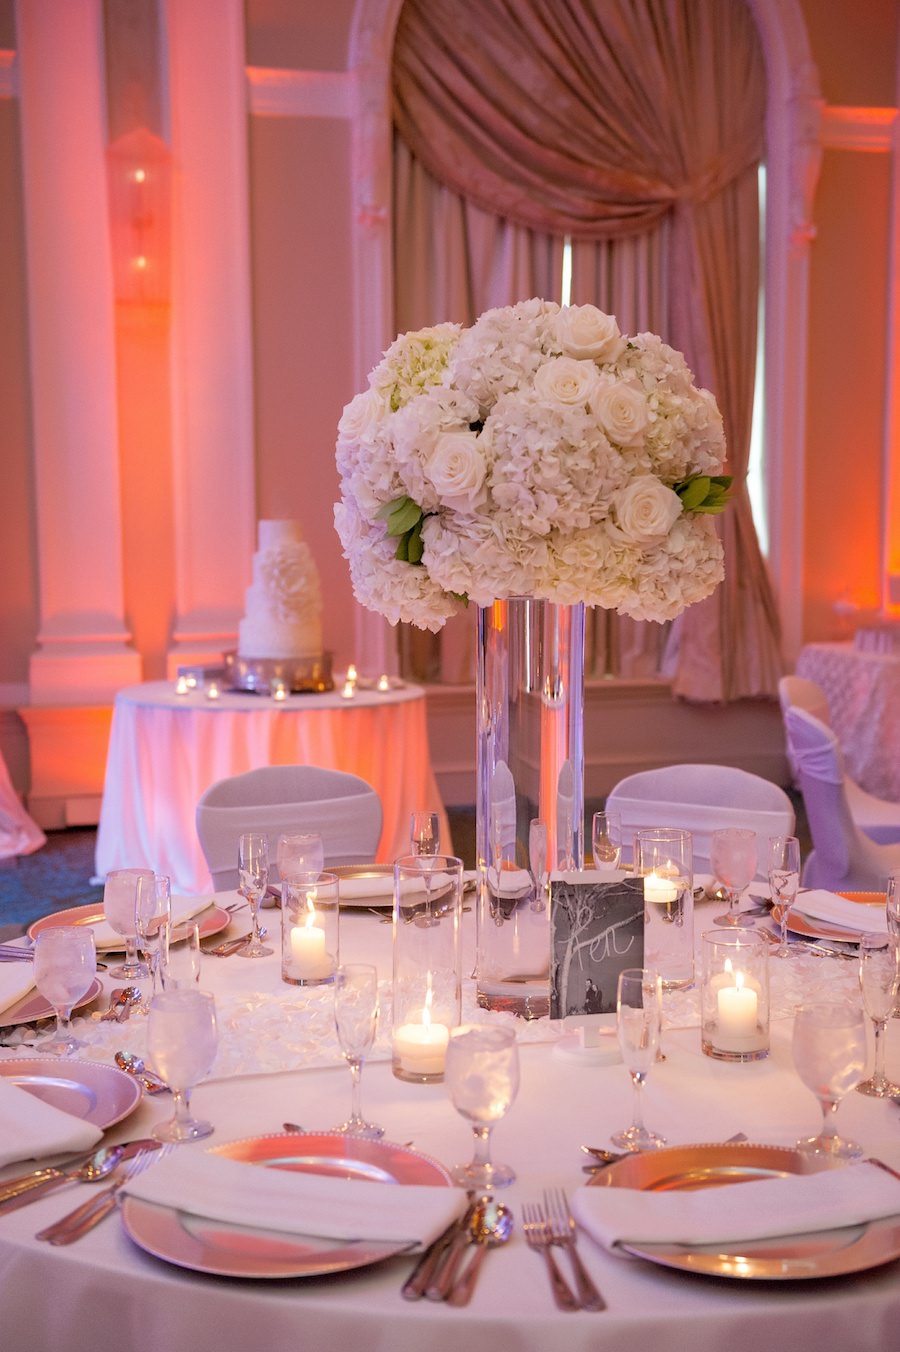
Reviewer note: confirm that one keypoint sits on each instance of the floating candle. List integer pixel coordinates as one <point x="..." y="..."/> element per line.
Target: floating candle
<point x="659" y="889"/>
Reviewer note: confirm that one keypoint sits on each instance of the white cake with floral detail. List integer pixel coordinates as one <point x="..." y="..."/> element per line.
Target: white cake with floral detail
<point x="283" y="608"/>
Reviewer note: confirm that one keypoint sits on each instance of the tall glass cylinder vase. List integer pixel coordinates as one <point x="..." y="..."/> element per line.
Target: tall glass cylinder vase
<point x="530" y="712"/>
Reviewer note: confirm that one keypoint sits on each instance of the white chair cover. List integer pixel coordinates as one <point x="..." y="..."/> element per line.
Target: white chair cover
<point x="877" y="818"/>
<point x="842" y="857"/>
<point x="702" y="799"/>
<point x="344" y="809"/>
<point x="18" y="833"/>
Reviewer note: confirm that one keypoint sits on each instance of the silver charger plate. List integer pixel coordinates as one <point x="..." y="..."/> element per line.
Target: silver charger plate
<point x="211" y="921"/>
<point x="96" y="1093"/>
<point x="34" y="1006"/>
<point x="226" y="1250"/>
<point x="825" y="1253"/>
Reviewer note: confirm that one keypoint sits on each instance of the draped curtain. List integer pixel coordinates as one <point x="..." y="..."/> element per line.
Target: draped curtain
<point x="635" y="128"/>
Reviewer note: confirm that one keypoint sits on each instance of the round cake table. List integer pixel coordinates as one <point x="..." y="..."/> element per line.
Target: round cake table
<point x="166" y="749"/>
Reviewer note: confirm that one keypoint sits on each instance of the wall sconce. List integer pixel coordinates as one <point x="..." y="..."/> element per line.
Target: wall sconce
<point x="139" y="178"/>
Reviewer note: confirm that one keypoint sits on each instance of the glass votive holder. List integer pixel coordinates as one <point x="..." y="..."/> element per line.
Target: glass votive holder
<point x="663" y="857"/>
<point x="310" y="916"/>
<point x="734" y="996"/>
<point x="427" y="988"/>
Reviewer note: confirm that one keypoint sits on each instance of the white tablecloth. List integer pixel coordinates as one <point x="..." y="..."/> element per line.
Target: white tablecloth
<point x="863" y="692"/>
<point x="102" y="1289"/>
<point x="166" y="749"/>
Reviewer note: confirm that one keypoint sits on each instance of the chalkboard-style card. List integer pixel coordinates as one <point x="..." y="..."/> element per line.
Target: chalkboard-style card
<point x="596" y="930"/>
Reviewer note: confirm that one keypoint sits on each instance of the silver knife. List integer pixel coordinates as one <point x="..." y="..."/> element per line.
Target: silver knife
<point x="423" y="1272"/>
<point x="27" y="1188"/>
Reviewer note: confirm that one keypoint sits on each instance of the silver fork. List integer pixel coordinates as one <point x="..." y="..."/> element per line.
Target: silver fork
<point x="78" y="1222"/>
<point x="539" y="1237"/>
<point x="561" y="1224"/>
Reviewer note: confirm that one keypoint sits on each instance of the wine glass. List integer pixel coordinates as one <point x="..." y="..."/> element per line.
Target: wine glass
<point x="424" y="833"/>
<point x="355" y="1020"/>
<point x="606" y="841"/>
<point x="65" y="963"/>
<point x="182" y="1038"/>
<point x="892" y="906"/>
<point x="733" y="860"/>
<point x="119" y="896"/>
<point x="253" y="875"/>
<point x="638" y="1012"/>
<point x="829" y="1049"/>
<point x="299" y="852"/>
<point x="537" y="860"/>
<point x="784" y="880"/>
<point x="180" y="954"/>
<point x="879" y="972"/>
<point x="481" y="1073"/>
<point x="152" y="912"/>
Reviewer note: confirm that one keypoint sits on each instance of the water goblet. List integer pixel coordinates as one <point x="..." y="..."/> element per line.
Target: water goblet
<point x="537" y="861"/>
<point x="784" y="880"/>
<point x="253" y="876"/>
<point x="119" y="896"/>
<point x="892" y="906"/>
<point x="424" y="833"/>
<point x="606" y="841"/>
<point x="638" y="1012"/>
<point x="829" y="1050"/>
<point x="152" y="912"/>
<point x="65" y="963"/>
<point x="879" y="974"/>
<point x="299" y="852"/>
<point x="481" y="1073"/>
<point x="355" y="1021"/>
<point x="181" y="1039"/>
<point x="733" y="860"/>
<point x="180" y="954"/>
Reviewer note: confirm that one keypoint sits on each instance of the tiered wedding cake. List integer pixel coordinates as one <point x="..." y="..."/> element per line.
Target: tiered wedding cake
<point x="283" y="608"/>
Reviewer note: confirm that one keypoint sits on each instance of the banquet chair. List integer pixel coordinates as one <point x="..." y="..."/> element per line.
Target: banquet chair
<point x="702" y="799"/>
<point x="877" y="818"/>
<point x="842" y="856"/>
<point x="342" y="808"/>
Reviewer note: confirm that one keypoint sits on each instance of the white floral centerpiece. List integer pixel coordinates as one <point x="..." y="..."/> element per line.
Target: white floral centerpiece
<point x="537" y="453"/>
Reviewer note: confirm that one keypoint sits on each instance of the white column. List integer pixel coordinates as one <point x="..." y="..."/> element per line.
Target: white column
<point x="83" y="652"/>
<point x="212" y="385"/>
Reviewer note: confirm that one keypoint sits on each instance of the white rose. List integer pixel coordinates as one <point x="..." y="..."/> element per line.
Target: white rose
<point x="364" y="414"/>
<point x="584" y="331"/>
<point x="562" y="380"/>
<point x="622" y="412"/>
<point x="645" y="510"/>
<point x="456" y="469"/>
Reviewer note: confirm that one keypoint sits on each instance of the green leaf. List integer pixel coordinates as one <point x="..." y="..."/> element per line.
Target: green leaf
<point x="704" y="493"/>
<point x="693" y="492"/>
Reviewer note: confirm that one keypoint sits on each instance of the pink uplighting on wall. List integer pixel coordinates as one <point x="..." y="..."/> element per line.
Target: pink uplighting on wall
<point x="139" y="179"/>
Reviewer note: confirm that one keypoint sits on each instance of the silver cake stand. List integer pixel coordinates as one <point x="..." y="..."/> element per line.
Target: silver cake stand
<point x="262" y="675"/>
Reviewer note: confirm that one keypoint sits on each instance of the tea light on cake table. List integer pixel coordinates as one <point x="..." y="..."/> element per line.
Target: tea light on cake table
<point x="383" y="683"/>
<point x="181" y="686"/>
<point x="279" y="691"/>
<point x="348" y="691"/>
<point x="352" y="674"/>
<point x="212" y="690"/>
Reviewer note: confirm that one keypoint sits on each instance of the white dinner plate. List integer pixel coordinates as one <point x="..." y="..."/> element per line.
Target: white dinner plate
<point x="227" y="1250"/>
<point x="96" y="1093"/>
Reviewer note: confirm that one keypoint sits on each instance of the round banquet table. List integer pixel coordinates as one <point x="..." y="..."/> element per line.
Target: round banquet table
<point x="277" y="1062"/>
<point x="166" y="749"/>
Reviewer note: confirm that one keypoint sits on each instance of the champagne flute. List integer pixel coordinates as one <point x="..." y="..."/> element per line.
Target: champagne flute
<point x="829" y="1050"/>
<point x="733" y="860"/>
<point x="537" y="859"/>
<point x="424" y="833"/>
<point x="784" y="880"/>
<point x="638" y="1013"/>
<point x="119" y="896"/>
<point x="892" y="906"/>
<point x="65" y="963"/>
<point x="606" y="841"/>
<point x="253" y="875"/>
<point x="299" y="852"/>
<point x="481" y="1073"/>
<point x="355" y="1020"/>
<point x="879" y="973"/>
<point x="152" y="912"/>
<point x="180" y="953"/>
<point x="182" y="1038"/>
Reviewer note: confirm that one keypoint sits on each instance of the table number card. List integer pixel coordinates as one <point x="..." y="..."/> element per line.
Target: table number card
<point x="596" y="930"/>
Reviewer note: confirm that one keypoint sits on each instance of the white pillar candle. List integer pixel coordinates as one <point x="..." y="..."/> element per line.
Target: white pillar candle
<point x="737" y="1004"/>
<point x="308" y="949"/>
<point x="421" y="1048"/>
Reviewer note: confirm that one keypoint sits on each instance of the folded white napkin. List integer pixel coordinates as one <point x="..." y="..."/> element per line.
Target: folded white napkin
<point x="183" y="909"/>
<point x="16" y="980"/>
<point x="31" y="1128"/>
<point x="855" y="916"/>
<point x="762" y="1209"/>
<point x="299" y="1203"/>
<point x="375" y="885"/>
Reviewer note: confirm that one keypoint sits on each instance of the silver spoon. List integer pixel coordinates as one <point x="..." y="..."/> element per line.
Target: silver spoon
<point x="490" y="1226"/>
<point x="131" y="995"/>
<point x="101" y="1163"/>
<point x="134" y="1065"/>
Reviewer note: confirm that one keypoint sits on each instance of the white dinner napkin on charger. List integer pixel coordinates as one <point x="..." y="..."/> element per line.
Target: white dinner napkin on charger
<point x="16" y="980"/>
<point x="232" y="1191"/>
<point x="761" y="1209"/>
<point x="854" y="916"/>
<point x="31" y="1128"/>
<point x="183" y="909"/>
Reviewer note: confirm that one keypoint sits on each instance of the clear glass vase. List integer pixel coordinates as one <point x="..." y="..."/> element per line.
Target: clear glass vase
<point x="530" y="720"/>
